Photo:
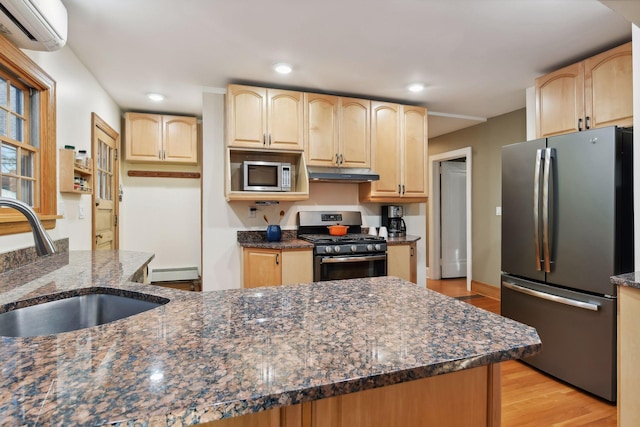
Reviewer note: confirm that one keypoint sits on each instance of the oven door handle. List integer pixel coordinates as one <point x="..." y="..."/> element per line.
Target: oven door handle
<point x="333" y="260"/>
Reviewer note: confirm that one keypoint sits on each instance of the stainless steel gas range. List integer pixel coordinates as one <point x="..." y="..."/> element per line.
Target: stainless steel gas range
<point x="353" y="255"/>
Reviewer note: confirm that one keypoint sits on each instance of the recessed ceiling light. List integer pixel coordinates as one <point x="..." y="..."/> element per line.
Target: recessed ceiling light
<point x="156" y="97"/>
<point x="416" y="87"/>
<point x="282" y="68"/>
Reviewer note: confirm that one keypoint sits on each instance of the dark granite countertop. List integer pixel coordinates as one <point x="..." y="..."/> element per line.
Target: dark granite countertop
<point x="258" y="239"/>
<point x="405" y="240"/>
<point x="210" y="355"/>
<point x="631" y="280"/>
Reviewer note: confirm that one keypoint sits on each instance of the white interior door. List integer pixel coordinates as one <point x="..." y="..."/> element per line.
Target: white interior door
<point x="453" y="182"/>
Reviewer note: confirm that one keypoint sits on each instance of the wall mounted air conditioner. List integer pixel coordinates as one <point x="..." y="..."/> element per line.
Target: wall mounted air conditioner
<point x="34" y="24"/>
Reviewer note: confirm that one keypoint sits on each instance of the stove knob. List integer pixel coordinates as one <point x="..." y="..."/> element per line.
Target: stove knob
<point x="369" y="248"/>
<point x="377" y="246"/>
<point x="354" y="248"/>
<point x="336" y="248"/>
<point x="328" y="249"/>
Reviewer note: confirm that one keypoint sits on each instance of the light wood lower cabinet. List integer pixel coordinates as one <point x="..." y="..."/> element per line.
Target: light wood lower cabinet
<point x="467" y="398"/>
<point x="628" y="356"/>
<point x="271" y="267"/>
<point x="402" y="262"/>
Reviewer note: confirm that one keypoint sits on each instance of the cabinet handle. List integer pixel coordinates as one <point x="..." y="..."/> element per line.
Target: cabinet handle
<point x="277" y="259"/>
<point x="341" y="159"/>
<point x="160" y="154"/>
<point x="403" y="189"/>
<point x="579" y="124"/>
<point x="399" y="188"/>
<point x="412" y="251"/>
<point x="164" y="154"/>
<point x="337" y="159"/>
<point x="264" y="139"/>
<point x="586" y="122"/>
<point x="269" y="140"/>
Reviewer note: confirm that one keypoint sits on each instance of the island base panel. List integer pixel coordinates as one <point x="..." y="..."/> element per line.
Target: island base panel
<point x="465" y="398"/>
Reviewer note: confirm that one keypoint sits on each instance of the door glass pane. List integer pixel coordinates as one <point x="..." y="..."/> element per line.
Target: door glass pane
<point x="109" y="187"/>
<point x="17" y="128"/>
<point x="16" y="98"/>
<point x="9" y="187"/>
<point x="9" y="159"/>
<point x="4" y="129"/>
<point x="26" y="163"/>
<point x="3" y="92"/>
<point x="26" y="191"/>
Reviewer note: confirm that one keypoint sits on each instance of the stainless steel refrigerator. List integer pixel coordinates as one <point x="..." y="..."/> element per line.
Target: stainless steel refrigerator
<point x="567" y="226"/>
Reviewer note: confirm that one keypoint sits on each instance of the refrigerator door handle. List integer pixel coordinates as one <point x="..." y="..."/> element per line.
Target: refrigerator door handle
<point x="549" y="153"/>
<point x="550" y="297"/>
<point x="536" y="207"/>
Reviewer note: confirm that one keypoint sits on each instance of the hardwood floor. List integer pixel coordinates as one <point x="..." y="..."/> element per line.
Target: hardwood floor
<point x="531" y="398"/>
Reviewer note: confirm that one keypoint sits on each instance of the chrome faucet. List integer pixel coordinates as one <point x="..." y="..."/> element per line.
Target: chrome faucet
<point x="44" y="244"/>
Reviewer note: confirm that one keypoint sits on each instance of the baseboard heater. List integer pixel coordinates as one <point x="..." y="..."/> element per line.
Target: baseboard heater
<point x="174" y="274"/>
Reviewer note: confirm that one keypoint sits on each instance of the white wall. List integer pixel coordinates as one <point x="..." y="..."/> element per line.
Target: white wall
<point x="161" y="215"/>
<point x="221" y="265"/>
<point x="78" y="95"/>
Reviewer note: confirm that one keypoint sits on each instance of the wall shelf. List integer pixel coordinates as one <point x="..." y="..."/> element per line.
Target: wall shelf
<point x="70" y="170"/>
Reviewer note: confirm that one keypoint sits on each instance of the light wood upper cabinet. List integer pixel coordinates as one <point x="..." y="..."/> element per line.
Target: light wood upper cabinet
<point x="354" y="135"/>
<point x="414" y="151"/>
<point x="337" y="131"/>
<point x="321" y="129"/>
<point x="609" y="88"/>
<point x="398" y="154"/>
<point x="271" y="267"/>
<point x="264" y="118"/>
<point x="154" y="138"/>
<point x="385" y="149"/>
<point x="593" y="93"/>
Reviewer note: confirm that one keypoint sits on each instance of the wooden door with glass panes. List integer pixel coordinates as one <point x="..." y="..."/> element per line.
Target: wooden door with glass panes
<point x="105" y="185"/>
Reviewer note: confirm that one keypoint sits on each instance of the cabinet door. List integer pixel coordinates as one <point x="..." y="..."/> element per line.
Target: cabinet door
<point x="143" y="137"/>
<point x="385" y="148"/>
<point x="609" y="88"/>
<point x="321" y="129"/>
<point x="399" y="261"/>
<point x="180" y="139"/>
<point x="297" y="266"/>
<point x="355" y="132"/>
<point x="560" y="101"/>
<point x="246" y="116"/>
<point x="414" y="151"/>
<point x="285" y="119"/>
<point x="262" y="267"/>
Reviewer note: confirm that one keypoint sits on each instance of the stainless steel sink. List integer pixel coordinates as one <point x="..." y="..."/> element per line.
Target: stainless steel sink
<point x="74" y="312"/>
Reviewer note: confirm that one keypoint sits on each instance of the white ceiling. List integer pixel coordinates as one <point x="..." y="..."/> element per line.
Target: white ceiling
<point x="476" y="57"/>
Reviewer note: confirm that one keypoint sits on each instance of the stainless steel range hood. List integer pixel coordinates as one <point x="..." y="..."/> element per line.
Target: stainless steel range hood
<point x="346" y="175"/>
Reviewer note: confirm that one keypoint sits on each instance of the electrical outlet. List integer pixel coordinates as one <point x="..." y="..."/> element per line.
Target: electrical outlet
<point x="80" y="212"/>
<point x="252" y="212"/>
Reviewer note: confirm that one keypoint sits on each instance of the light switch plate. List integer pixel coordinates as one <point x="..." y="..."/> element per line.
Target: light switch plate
<point x="80" y="212"/>
<point x="498" y="210"/>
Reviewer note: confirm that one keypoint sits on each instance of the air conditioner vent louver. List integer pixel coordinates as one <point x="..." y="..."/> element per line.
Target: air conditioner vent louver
<point x="34" y="24"/>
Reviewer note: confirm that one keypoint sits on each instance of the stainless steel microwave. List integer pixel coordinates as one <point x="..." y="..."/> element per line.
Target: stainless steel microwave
<point x="266" y="176"/>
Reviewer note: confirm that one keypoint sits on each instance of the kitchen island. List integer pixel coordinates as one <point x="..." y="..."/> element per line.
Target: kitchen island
<point x="288" y="355"/>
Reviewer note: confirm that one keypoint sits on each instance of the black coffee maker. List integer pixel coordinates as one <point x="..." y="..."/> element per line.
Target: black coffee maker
<point x="392" y="219"/>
